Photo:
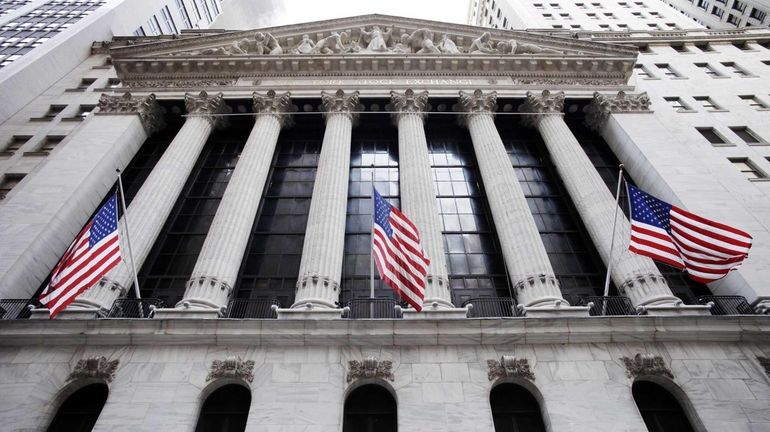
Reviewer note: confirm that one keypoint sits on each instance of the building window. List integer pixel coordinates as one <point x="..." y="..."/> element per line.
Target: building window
<point x="84" y="84"/>
<point x="225" y="410"/>
<point x="711" y="135"/>
<point x="113" y="83"/>
<point x="680" y="48"/>
<point x="609" y="15"/>
<point x="370" y="408"/>
<point x="718" y="12"/>
<point x="597" y="5"/>
<point x="592" y="16"/>
<point x="743" y="46"/>
<point x="705" y="47"/>
<point x="677" y="104"/>
<point x="85" y="110"/>
<point x="183" y="12"/>
<point x="747" y="168"/>
<point x="758" y="15"/>
<point x="53" y="111"/>
<point x="739" y="6"/>
<point x="659" y="408"/>
<point x="746" y="134"/>
<point x="643" y="72"/>
<point x="50" y="142"/>
<point x="515" y="409"/>
<point x="668" y="70"/>
<point x="708" y="103"/>
<point x="735" y="69"/>
<point x="734" y="20"/>
<point x="81" y="410"/>
<point x="8" y="182"/>
<point x="548" y="16"/>
<point x="168" y="20"/>
<point x="708" y="70"/>
<point x="753" y="101"/>
<point x="15" y="144"/>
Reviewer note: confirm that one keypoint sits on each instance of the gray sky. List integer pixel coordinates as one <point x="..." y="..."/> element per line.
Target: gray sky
<point x="249" y="14"/>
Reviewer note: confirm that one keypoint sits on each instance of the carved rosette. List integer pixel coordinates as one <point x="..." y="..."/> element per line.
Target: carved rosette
<point x="600" y="108"/>
<point x="765" y="363"/>
<point x="147" y="107"/>
<point x="646" y="364"/>
<point x="340" y="103"/>
<point x="408" y="102"/>
<point x="208" y="107"/>
<point x="509" y="366"/>
<point x="277" y="105"/>
<point x="477" y="103"/>
<point x="95" y="367"/>
<point x="537" y="105"/>
<point x="370" y="367"/>
<point x="232" y="367"/>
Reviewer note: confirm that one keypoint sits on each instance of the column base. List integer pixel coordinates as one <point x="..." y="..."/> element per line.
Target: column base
<point x="675" y="310"/>
<point x="309" y="313"/>
<point x="556" y="311"/>
<point x="189" y="313"/>
<point x="435" y="313"/>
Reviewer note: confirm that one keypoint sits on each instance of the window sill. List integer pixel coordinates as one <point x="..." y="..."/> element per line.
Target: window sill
<point x="723" y="145"/>
<point x="72" y="119"/>
<point x="101" y="67"/>
<point x="720" y="77"/>
<point x="651" y="79"/>
<point x="718" y="110"/>
<point x="74" y="90"/>
<point x="687" y="111"/>
<point x="41" y="119"/>
<point x="759" y="144"/>
<point x="35" y="153"/>
<point x="759" y="180"/>
<point x="6" y="154"/>
<point x="749" y="76"/>
<point x="679" y="78"/>
<point x="762" y="109"/>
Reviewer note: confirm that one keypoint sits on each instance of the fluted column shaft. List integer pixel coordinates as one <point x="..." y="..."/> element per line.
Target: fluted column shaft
<point x="525" y="256"/>
<point x="636" y="276"/>
<point x="418" y="193"/>
<point x="153" y="203"/>
<point x="320" y="269"/>
<point x="216" y="269"/>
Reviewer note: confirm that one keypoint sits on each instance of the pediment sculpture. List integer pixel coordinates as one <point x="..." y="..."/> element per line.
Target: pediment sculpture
<point x="372" y="40"/>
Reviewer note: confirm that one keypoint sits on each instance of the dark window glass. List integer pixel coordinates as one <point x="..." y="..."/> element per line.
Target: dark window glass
<point x="81" y="410"/>
<point x="370" y="408"/>
<point x="225" y="410"/>
<point x="271" y="264"/>
<point x="514" y="409"/>
<point x="711" y="135"/>
<point x="659" y="409"/>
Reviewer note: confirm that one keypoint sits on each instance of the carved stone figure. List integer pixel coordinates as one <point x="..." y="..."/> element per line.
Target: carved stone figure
<point x="509" y="366"/>
<point x="305" y="46"/>
<point x="513" y="46"/>
<point x="646" y="364"/>
<point x="232" y="367"/>
<point x="370" y="368"/>
<point x="377" y="39"/>
<point x="447" y="45"/>
<point x="267" y="44"/>
<point x="95" y="367"/>
<point x="421" y="42"/>
<point x="331" y="44"/>
<point x="482" y="45"/>
<point x="402" y="47"/>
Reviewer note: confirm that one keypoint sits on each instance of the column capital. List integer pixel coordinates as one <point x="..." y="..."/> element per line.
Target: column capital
<point x="275" y="104"/>
<point x="537" y="105"/>
<point x="408" y="102"/>
<point x="203" y="105"/>
<point x="600" y="108"/>
<point x="340" y="103"/>
<point x="477" y="103"/>
<point x="147" y="107"/>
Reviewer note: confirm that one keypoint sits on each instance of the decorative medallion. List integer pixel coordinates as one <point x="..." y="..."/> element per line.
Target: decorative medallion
<point x="646" y="364"/>
<point x="95" y="367"/>
<point x="232" y="367"/>
<point x="370" y="368"/>
<point x="509" y="366"/>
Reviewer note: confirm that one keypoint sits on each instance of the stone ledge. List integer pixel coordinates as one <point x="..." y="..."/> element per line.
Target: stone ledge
<point x="384" y="332"/>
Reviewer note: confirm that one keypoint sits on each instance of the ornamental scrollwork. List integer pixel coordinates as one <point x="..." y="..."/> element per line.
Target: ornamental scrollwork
<point x="509" y="366"/>
<point x="477" y="102"/>
<point x="408" y="102"/>
<point x="232" y="367"/>
<point x="370" y="367"/>
<point x="536" y="105"/>
<point x="600" y="108"/>
<point x="95" y="367"/>
<point x="340" y="102"/>
<point x="646" y="364"/>
<point x="146" y="107"/>
<point x="277" y="105"/>
<point x="209" y="107"/>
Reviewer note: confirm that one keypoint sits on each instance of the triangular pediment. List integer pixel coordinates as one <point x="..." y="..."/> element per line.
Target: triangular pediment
<point x="369" y="45"/>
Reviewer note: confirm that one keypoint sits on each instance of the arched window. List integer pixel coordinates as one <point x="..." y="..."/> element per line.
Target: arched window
<point x="659" y="408"/>
<point x="514" y="409"/>
<point x="370" y="408"/>
<point x="225" y="410"/>
<point x="81" y="410"/>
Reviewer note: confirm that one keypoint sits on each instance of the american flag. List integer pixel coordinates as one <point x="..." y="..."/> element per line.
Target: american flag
<point x="94" y="252"/>
<point x="707" y="250"/>
<point x="398" y="253"/>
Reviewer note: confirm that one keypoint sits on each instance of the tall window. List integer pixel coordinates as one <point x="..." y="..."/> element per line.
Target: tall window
<point x="659" y="408"/>
<point x="81" y="410"/>
<point x="370" y="408"/>
<point x="514" y="409"/>
<point x="225" y="410"/>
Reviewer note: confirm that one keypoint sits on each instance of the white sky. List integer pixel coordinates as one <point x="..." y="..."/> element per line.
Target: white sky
<point x="250" y="14"/>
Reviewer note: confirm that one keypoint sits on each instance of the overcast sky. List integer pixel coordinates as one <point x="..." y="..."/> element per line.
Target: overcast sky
<point x="249" y="14"/>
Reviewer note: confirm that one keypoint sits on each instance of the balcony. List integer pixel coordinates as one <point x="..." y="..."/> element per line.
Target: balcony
<point x="608" y="306"/>
<point x="377" y="308"/>
<point x="264" y="308"/>
<point x="727" y="305"/>
<point x="13" y="309"/>
<point x="491" y="307"/>
<point x="135" y="308"/>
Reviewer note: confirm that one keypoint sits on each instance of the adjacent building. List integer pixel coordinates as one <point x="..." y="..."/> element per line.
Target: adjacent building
<point x="724" y="14"/>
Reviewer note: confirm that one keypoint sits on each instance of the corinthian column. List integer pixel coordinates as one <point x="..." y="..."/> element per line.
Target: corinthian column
<point x="321" y="267"/>
<point x="418" y="194"/>
<point x="526" y="259"/>
<point x="216" y="270"/>
<point x="636" y="276"/>
<point x="153" y="203"/>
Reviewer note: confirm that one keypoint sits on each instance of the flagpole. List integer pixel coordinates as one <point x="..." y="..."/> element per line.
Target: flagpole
<point x="612" y="242"/>
<point x="128" y="240"/>
<point x="371" y="254"/>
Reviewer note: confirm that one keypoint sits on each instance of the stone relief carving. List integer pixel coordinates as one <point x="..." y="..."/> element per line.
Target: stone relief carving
<point x="447" y="46"/>
<point x="408" y="102"/>
<point x="305" y="46"/>
<point x="600" y="108"/>
<point x="147" y="107"/>
<point x="340" y="102"/>
<point x="95" y="367"/>
<point x="568" y="81"/>
<point x="765" y="363"/>
<point x="512" y="46"/>
<point x="535" y="105"/>
<point x="482" y="45"/>
<point x="377" y="39"/>
<point x="203" y="104"/>
<point x="646" y="364"/>
<point x="232" y="367"/>
<point x="370" y="367"/>
<point x="276" y="104"/>
<point x="509" y="366"/>
<point x="332" y="44"/>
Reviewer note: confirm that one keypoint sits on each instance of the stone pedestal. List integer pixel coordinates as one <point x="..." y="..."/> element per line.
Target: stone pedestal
<point x="418" y="193"/>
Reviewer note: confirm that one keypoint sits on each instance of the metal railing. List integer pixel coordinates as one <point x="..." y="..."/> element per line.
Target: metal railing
<point x="135" y="308"/>
<point x="727" y="305"/>
<point x="12" y="309"/>
<point x="491" y="307"/>
<point x="377" y="308"/>
<point x="264" y="308"/>
<point x="608" y="306"/>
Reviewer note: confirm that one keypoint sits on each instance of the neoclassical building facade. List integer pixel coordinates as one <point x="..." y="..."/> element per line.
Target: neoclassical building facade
<point x="249" y="160"/>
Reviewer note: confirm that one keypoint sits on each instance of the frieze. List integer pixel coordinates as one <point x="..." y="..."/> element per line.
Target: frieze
<point x="370" y="368"/>
<point x="95" y="367"/>
<point x="194" y="84"/>
<point x="646" y="364"/>
<point x="509" y="366"/>
<point x="232" y="367"/>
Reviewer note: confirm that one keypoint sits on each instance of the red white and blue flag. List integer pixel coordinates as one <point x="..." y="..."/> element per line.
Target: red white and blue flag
<point x="705" y="249"/>
<point x="94" y="252"/>
<point x="397" y="252"/>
